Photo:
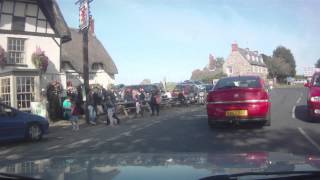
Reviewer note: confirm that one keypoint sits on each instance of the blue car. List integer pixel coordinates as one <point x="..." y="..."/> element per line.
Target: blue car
<point x="15" y="124"/>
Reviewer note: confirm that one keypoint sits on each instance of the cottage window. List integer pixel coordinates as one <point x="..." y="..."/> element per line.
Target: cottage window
<point x="5" y="90"/>
<point x="25" y="92"/>
<point x="97" y="66"/>
<point x="18" y="23"/>
<point x="16" y="51"/>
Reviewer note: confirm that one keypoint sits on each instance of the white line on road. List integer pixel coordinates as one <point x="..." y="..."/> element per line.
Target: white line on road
<point x="309" y="138"/>
<point x="298" y="101"/>
<point x="293" y="112"/>
<point x="200" y="115"/>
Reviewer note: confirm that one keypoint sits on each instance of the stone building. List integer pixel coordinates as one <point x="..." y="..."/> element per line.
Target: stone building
<point x="245" y="62"/>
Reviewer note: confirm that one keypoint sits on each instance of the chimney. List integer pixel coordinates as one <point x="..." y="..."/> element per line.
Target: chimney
<point x="91" y="28"/>
<point x="234" y="47"/>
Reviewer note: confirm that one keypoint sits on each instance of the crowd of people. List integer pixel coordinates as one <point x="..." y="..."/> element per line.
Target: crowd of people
<point x="109" y="102"/>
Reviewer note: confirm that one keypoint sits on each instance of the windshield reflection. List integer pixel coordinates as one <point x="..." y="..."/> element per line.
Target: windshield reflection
<point x="192" y="166"/>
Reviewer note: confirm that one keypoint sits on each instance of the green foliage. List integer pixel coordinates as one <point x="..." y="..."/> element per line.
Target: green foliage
<point x="317" y="65"/>
<point x="170" y="86"/>
<point x="285" y="54"/>
<point x="146" y="81"/>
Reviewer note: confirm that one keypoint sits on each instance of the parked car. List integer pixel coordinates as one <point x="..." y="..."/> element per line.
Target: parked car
<point x="15" y="124"/>
<point x="241" y="99"/>
<point x="148" y="88"/>
<point x="314" y="96"/>
<point x="190" y="91"/>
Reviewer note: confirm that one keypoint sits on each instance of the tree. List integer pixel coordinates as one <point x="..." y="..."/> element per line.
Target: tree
<point x="285" y="54"/>
<point x="220" y="62"/>
<point x="317" y="65"/>
<point x="146" y="81"/>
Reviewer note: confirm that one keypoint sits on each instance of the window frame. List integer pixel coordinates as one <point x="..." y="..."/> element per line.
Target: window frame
<point x="22" y="93"/>
<point x="5" y="90"/>
<point x="10" y="50"/>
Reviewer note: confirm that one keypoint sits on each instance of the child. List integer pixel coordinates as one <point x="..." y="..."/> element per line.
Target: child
<point x="74" y="116"/>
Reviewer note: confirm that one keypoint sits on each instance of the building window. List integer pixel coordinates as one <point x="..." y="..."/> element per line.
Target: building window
<point x="25" y="92"/>
<point x="18" y="23"/>
<point x="16" y="51"/>
<point x="97" y="66"/>
<point x="229" y="70"/>
<point x="5" y="91"/>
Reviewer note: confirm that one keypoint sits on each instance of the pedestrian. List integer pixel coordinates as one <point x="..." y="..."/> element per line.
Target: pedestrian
<point x="75" y="112"/>
<point x="155" y="102"/>
<point x="142" y="100"/>
<point x="91" y="109"/>
<point x="114" y="103"/>
<point x="66" y="106"/>
<point x="110" y="110"/>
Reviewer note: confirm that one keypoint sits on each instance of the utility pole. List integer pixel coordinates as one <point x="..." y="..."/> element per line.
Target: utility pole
<point x="84" y="14"/>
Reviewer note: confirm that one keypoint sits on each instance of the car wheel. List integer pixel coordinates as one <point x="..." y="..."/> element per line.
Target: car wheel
<point x="211" y="126"/>
<point x="34" y="132"/>
<point x="268" y="119"/>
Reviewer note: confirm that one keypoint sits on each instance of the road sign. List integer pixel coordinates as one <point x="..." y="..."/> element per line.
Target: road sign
<point x="84" y="14"/>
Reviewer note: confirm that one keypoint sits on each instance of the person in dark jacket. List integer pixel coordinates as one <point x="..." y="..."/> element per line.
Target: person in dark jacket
<point x="155" y="103"/>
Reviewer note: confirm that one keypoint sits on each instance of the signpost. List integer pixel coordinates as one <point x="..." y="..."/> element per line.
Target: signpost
<point x="84" y="24"/>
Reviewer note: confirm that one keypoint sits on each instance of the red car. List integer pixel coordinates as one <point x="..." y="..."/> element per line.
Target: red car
<point x="314" y="96"/>
<point x="241" y="99"/>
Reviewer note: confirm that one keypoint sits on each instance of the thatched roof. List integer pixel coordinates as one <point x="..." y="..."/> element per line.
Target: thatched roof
<point x="72" y="52"/>
<point x="53" y="14"/>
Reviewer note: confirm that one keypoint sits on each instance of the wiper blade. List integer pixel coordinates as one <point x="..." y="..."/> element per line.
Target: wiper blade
<point x="12" y="176"/>
<point x="284" y="174"/>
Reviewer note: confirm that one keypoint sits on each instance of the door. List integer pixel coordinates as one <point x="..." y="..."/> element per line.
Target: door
<point x="11" y="126"/>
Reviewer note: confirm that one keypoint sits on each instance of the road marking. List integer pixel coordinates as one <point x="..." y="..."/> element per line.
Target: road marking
<point x="200" y="115"/>
<point x="298" y="101"/>
<point x="309" y="138"/>
<point x="293" y="112"/>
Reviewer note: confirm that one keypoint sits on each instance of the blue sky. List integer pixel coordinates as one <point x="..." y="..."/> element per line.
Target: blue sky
<point x="170" y="38"/>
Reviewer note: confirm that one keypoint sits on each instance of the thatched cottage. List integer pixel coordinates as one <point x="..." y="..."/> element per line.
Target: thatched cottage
<point x="36" y="49"/>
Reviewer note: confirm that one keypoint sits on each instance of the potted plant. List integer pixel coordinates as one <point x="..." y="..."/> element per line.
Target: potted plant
<point x="40" y="60"/>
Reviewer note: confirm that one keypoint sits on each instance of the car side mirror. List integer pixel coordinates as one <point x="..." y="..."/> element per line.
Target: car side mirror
<point x="307" y="85"/>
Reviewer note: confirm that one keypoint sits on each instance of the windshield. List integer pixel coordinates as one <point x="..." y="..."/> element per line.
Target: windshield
<point x="112" y="89"/>
<point x="238" y="82"/>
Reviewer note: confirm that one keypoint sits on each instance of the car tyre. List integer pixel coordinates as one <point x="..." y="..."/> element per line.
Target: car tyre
<point x="268" y="119"/>
<point x="211" y="125"/>
<point x="34" y="132"/>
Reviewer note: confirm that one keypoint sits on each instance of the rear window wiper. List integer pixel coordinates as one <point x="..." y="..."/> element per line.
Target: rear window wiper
<point x="13" y="177"/>
<point x="272" y="175"/>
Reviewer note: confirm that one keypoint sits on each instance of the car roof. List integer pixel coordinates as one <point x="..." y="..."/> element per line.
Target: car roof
<point x="258" y="77"/>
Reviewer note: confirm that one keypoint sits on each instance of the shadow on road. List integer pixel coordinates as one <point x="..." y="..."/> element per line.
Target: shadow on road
<point x="196" y="136"/>
<point x="301" y="113"/>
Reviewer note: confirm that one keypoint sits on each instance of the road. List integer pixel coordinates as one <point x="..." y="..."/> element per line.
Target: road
<point x="185" y="130"/>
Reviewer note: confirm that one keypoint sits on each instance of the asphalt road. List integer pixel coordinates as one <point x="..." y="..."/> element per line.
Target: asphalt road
<point x="182" y="129"/>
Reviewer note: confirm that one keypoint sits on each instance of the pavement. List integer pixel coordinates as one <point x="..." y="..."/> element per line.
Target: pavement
<point x="182" y="130"/>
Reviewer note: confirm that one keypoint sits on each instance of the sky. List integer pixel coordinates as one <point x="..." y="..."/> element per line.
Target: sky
<point x="157" y="39"/>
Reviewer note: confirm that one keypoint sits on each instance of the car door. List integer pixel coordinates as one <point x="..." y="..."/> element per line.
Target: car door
<point x="11" y="125"/>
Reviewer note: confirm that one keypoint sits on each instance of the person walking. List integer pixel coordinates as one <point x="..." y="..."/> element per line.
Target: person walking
<point x="92" y="109"/>
<point x="75" y="112"/>
<point x="66" y="106"/>
<point x="110" y="110"/>
<point x="155" y="103"/>
<point x="142" y="100"/>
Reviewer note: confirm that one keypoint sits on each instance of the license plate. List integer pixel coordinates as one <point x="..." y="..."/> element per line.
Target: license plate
<point x="236" y="113"/>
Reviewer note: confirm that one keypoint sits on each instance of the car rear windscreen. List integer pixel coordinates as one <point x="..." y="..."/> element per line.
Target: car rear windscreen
<point x="238" y="82"/>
